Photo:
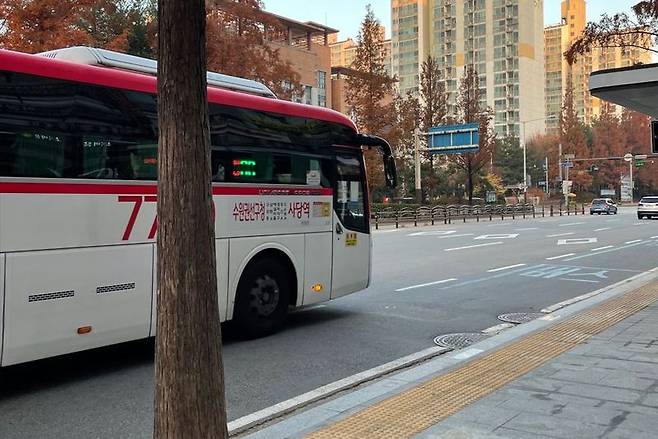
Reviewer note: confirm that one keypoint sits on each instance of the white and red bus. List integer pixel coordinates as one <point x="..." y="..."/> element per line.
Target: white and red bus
<point x="78" y="164"/>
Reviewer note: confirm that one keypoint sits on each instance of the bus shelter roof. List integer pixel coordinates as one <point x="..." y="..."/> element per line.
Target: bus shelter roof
<point x="634" y="87"/>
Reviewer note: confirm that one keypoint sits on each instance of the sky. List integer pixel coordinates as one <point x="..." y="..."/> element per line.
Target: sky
<point x="346" y="15"/>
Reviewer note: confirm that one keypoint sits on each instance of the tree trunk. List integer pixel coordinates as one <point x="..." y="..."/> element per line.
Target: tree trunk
<point x="189" y="380"/>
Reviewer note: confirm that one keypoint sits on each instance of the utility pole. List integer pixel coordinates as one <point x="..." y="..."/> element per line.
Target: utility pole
<point x="560" y="164"/>
<point x="629" y="158"/>
<point x="419" y="193"/>
<point x="546" y="186"/>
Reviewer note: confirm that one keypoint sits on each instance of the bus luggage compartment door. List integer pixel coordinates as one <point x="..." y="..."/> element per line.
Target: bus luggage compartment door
<point x="61" y="301"/>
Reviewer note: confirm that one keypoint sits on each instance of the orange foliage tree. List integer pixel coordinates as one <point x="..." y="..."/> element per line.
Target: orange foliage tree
<point x="572" y="137"/>
<point x="241" y="42"/>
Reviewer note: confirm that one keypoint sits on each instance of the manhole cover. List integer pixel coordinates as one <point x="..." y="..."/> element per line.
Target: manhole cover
<point x="520" y="317"/>
<point x="459" y="340"/>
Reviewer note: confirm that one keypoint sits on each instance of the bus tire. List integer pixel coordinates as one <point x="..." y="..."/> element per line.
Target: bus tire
<point x="262" y="298"/>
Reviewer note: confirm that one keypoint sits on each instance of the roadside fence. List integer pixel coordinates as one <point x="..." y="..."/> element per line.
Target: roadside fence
<point x="430" y="215"/>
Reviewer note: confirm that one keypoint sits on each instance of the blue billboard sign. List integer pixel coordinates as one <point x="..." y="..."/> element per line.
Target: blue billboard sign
<point x="454" y="139"/>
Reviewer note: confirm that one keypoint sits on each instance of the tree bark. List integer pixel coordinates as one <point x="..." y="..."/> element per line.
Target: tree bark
<point x="189" y="383"/>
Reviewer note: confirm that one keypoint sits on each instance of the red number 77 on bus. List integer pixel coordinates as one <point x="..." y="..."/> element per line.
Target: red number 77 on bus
<point x="137" y="201"/>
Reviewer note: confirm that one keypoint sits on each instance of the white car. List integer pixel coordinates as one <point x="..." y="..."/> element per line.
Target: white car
<point x="648" y="207"/>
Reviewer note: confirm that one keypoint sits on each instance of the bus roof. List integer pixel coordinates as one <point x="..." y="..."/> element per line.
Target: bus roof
<point x="108" y="77"/>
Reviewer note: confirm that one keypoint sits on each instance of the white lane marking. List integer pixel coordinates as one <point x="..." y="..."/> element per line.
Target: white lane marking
<point x="433" y="233"/>
<point x="602" y="229"/>
<point x="499" y="236"/>
<point x="560" y="257"/>
<point x="472" y="246"/>
<point x="385" y="231"/>
<point x="633" y="241"/>
<point x="527" y="228"/>
<point x="427" y="284"/>
<point x="640" y="224"/>
<point x="493" y="270"/>
<point x="570" y="224"/>
<point x="654" y="237"/>
<point x="455" y="236"/>
<point x="560" y="234"/>
<point x="577" y="241"/>
<point x="602" y="248"/>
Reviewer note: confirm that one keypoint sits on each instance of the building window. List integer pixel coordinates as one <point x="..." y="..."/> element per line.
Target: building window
<point x="322" y="80"/>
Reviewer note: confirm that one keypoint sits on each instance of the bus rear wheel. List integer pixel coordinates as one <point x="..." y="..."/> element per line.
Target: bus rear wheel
<point x="263" y="296"/>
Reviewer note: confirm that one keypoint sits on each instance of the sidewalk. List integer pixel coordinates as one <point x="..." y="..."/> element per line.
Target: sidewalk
<point x="589" y="372"/>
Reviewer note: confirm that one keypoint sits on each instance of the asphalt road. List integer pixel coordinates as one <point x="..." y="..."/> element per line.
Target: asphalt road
<point x="426" y="282"/>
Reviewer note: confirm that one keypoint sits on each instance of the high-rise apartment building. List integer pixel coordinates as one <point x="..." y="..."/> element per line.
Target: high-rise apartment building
<point x="343" y="52"/>
<point x="559" y="74"/>
<point x="501" y="39"/>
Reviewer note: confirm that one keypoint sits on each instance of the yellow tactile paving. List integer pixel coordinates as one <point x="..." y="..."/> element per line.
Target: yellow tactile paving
<point x="419" y="408"/>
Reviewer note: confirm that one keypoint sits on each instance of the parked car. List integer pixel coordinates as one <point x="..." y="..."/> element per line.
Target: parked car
<point x="603" y="205"/>
<point x="647" y="207"/>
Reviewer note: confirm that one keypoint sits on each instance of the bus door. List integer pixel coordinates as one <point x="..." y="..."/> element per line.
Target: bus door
<point x="351" y="243"/>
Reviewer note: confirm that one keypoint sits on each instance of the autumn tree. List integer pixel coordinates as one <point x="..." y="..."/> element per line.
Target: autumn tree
<point x="433" y="99"/>
<point x="637" y="135"/>
<point x="608" y="140"/>
<point x="35" y="26"/>
<point x="639" y="30"/>
<point x="240" y="37"/>
<point x="471" y="111"/>
<point x="189" y="383"/>
<point x="573" y="139"/>
<point x="406" y="113"/>
<point x="368" y="91"/>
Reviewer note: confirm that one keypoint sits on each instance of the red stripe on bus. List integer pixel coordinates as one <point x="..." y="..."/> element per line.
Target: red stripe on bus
<point x="127" y="189"/>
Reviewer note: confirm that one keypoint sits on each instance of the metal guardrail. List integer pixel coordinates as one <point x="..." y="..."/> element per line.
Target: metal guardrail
<point x="448" y="214"/>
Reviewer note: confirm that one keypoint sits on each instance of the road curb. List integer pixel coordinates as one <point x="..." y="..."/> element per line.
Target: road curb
<point x="278" y="410"/>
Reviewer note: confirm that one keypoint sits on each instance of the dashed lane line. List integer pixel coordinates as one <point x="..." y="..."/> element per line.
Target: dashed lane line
<point x="561" y="234"/>
<point x="570" y="224"/>
<point x="427" y="284"/>
<point x="493" y="270"/>
<point x="472" y="246"/>
<point x="560" y="257"/>
<point x="602" y="248"/>
<point x="602" y="229"/>
<point x="633" y="241"/>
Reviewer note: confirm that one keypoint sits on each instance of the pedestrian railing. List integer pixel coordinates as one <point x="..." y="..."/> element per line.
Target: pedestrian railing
<point x="446" y="214"/>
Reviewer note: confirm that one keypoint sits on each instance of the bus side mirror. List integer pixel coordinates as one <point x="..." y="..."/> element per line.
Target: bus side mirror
<point x="390" y="171"/>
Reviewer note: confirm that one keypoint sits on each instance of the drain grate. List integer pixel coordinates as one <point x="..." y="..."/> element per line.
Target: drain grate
<point x="459" y="340"/>
<point x="520" y="317"/>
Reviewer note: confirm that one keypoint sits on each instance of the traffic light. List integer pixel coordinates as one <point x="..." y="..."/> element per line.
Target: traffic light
<point x="654" y="137"/>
